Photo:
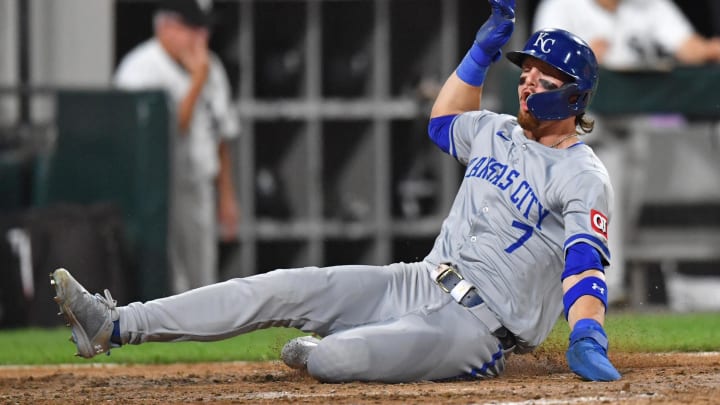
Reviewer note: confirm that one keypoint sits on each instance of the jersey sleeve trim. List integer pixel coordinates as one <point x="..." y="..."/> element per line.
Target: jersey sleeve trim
<point x="439" y="131"/>
<point x="592" y="241"/>
<point x="453" y="151"/>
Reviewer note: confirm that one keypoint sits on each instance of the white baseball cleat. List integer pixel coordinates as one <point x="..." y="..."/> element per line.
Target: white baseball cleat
<point x="295" y="353"/>
<point x="90" y="316"/>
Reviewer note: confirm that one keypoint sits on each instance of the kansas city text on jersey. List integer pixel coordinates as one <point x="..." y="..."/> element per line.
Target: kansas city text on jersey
<point x="522" y="196"/>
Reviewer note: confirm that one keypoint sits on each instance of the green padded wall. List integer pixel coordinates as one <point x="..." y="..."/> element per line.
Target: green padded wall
<point x="113" y="146"/>
<point x="690" y="90"/>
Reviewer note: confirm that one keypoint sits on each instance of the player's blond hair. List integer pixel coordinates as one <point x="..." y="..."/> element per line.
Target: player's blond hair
<point x="584" y="123"/>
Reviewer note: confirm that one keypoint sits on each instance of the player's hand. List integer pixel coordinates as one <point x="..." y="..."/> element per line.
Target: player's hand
<point x="196" y="58"/>
<point x="495" y="32"/>
<point x="505" y="8"/>
<point x="228" y="219"/>
<point x="587" y="353"/>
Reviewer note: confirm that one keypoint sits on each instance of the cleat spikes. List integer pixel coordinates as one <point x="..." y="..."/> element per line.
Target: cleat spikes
<point x="90" y="317"/>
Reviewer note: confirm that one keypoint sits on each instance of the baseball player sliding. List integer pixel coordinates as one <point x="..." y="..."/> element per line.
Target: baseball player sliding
<point x="524" y="242"/>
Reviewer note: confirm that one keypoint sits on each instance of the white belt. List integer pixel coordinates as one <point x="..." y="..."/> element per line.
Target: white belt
<point x="450" y="281"/>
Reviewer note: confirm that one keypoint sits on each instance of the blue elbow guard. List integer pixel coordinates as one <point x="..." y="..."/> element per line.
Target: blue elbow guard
<point x="581" y="257"/>
<point x="593" y="286"/>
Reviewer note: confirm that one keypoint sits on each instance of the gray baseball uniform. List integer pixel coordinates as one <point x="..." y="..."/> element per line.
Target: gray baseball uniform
<point x="520" y="205"/>
<point x="192" y="236"/>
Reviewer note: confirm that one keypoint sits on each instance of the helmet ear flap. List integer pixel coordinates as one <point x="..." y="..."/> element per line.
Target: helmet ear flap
<point x="581" y="100"/>
<point x="557" y="104"/>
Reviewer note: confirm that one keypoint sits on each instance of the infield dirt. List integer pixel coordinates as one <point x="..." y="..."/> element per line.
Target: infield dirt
<point x="539" y="378"/>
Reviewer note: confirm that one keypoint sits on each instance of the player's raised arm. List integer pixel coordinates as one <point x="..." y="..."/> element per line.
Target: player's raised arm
<point x="463" y="89"/>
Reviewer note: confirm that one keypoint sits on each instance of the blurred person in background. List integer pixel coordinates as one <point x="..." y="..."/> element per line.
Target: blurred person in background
<point x="177" y="60"/>
<point x="627" y="35"/>
<point x="631" y="34"/>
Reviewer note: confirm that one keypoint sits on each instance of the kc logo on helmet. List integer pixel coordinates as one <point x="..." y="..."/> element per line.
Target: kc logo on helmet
<point x="599" y="222"/>
<point x="542" y="42"/>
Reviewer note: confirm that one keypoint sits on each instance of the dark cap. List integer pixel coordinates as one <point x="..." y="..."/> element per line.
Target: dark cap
<point x="196" y="13"/>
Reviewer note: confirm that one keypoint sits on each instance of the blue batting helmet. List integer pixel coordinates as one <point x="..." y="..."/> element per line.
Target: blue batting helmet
<point x="569" y="54"/>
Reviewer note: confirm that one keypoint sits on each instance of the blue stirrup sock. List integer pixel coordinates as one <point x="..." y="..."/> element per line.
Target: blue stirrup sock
<point x="115" y="337"/>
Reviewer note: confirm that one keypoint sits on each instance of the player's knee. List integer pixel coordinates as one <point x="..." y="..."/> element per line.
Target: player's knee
<point x="340" y="359"/>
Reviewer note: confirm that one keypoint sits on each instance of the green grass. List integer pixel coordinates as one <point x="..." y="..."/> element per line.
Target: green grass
<point x="653" y="332"/>
<point x="51" y="346"/>
<point x="628" y="332"/>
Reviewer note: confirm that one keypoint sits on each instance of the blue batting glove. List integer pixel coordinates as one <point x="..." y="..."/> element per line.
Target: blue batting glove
<point x="488" y="40"/>
<point x="495" y="32"/>
<point x="587" y="353"/>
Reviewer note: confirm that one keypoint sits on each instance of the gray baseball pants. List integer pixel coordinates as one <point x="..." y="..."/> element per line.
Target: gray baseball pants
<point x="192" y="240"/>
<point x="379" y="323"/>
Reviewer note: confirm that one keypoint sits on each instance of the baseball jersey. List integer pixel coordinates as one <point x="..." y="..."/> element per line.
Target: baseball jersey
<point x="520" y="206"/>
<point x="641" y="33"/>
<point x="149" y="66"/>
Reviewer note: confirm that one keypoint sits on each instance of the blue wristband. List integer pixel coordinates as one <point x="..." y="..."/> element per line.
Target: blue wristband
<point x="473" y="67"/>
<point x="593" y="286"/>
<point x="470" y="71"/>
<point x="480" y="55"/>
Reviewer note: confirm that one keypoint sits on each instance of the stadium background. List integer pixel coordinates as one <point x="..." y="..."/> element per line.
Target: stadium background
<point x="332" y="165"/>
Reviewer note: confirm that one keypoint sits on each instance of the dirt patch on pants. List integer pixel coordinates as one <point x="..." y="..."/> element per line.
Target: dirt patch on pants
<point x="530" y="379"/>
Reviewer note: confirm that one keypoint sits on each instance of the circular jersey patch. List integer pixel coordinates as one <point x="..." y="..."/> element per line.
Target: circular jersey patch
<point x="599" y="222"/>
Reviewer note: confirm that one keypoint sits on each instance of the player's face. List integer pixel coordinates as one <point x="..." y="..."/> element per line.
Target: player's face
<point x="536" y="77"/>
<point x="183" y="36"/>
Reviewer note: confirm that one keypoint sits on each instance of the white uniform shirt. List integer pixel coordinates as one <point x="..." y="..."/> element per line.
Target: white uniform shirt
<point x="148" y="66"/>
<point x="639" y="31"/>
